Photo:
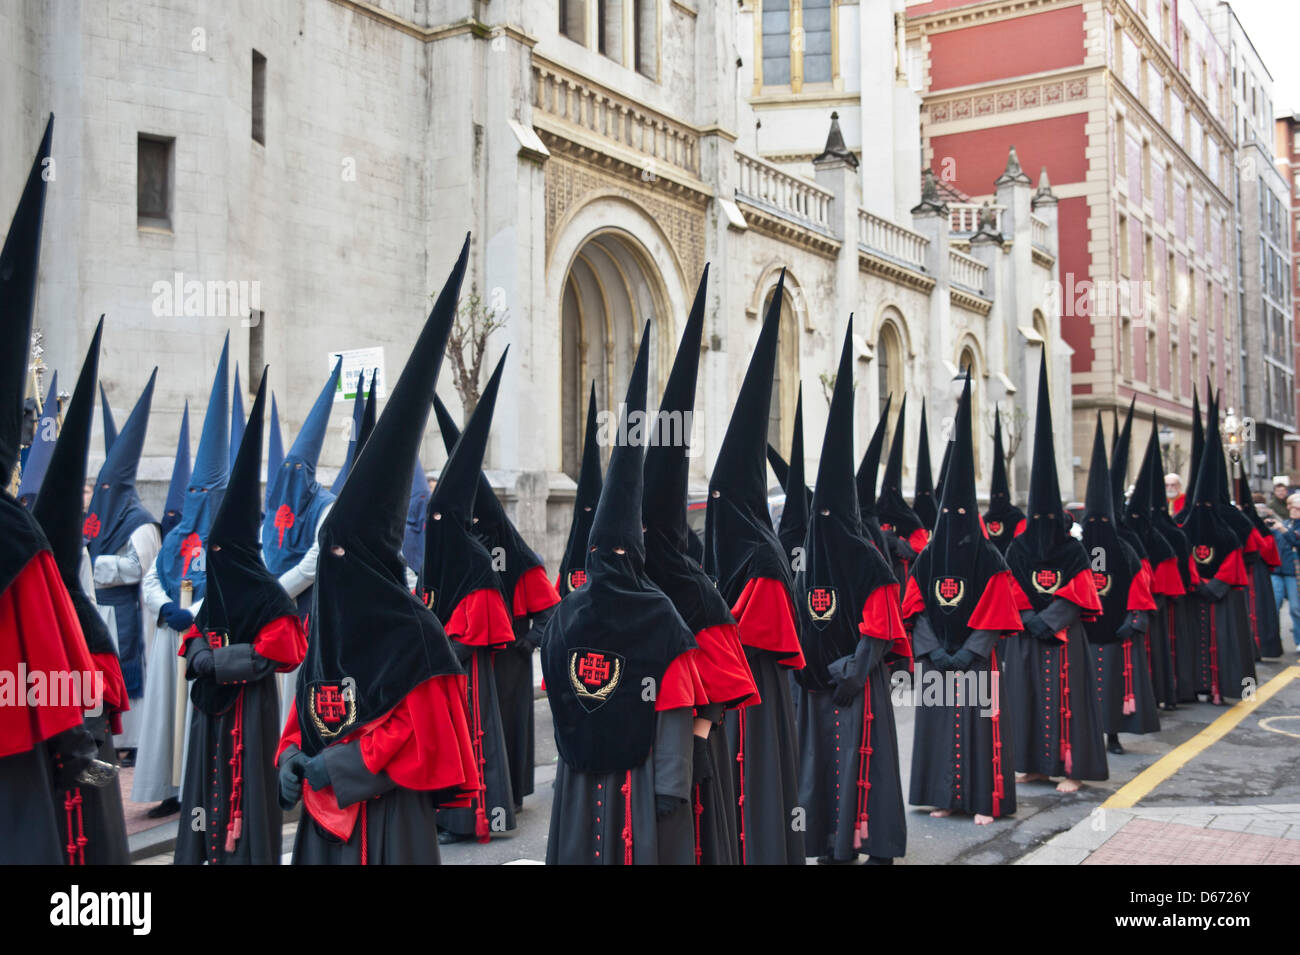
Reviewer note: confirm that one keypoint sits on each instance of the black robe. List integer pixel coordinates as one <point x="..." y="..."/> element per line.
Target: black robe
<point x="1265" y="624"/>
<point x="484" y="707"/>
<point x="590" y="812"/>
<point x="1162" y="645"/>
<point x="513" y="668"/>
<point x="210" y="768"/>
<point x="1048" y="683"/>
<point x="1225" y="658"/>
<point x="30" y="831"/>
<point x="717" y="837"/>
<point x="94" y="813"/>
<point x="764" y="756"/>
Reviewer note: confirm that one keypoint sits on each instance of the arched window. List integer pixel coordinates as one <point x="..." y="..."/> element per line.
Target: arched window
<point x="966" y="363"/>
<point x="889" y="375"/>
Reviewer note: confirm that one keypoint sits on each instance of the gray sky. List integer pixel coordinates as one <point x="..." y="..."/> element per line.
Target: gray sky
<point x="1274" y="27"/>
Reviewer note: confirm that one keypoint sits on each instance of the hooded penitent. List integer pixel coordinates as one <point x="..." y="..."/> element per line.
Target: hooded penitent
<point x="1208" y="524"/>
<point x="366" y="625"/>
<point x="1119" y="458"/>
<point x="1045" y="558"/>
<point x="294" y="499"/>
<point x="180" y="479"/>
<point x="740" y="544"/>
<point x="354" y="436"/>
<point x="924" y="502"/>
<point x="115" y="509"/>
<point x="868" y="472"/>
<point x="58" y="510"/>
<point x="416" y="508"/>
<point x="1138" y="519"/>
<point x="1158" y="506"/>
<point x="43" y="438"/>
<point x="842" y="568"/>
<point x="892" y="510"/>
<point x="721" y="661"/>
<point x="242" y="596"/>
<point x="1114" y="563"/>
<point x="1239" y="522"/>
<point x="274" y="447"/>
<point x="573" y="566"/>
<point x="793" y="525"/>
<point x="183" y="554"/>
<point x="943" y="471"/>
<point x="1194" y="459"/>
<point x="236" y="418"/>
<point x="110" y="424"/>
<point x="618" y="631"/>
<point x="953" y="572"/>
<point x="1002" y="520"/>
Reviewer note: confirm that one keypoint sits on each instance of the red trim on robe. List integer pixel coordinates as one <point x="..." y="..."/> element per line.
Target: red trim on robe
<point x="765" y="619"/>
<point x="1252" y="542"/>
<point x="534" y="592"/>
<point x="883" y="620"/>
<point x="1233" y="570"/>
<point x="423" y="743"/>
<point x="1139" y="591"/>
<point x="1194" y="575"/>
<point x="1268" y="551"/>
<point x="481" y="620"/>
<point x="1023" y="602"/>
<point x="681" y="685"/>
<point x="39" y="630"/>
<point x="720" y="660"/>
<point x="918" y="539"/>
<point x="282" y="641"/>
<point x="1176" y="507"/>
<point x="912" y="600"/>
<point x="1168" y="580"/>
<point x="115" y="698"/>
<point x="1020" y="528"/>
<point x="983" y="530"/>
<point x="997" y="607"/>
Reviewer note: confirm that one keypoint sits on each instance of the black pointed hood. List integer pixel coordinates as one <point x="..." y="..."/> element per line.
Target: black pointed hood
<point x="456" y="564"/>
<point x="115" y="510"/>
<point x="869" y="469"/>
<point x="1158" y="505"/>
<point x="355" y="435"/>
<point x="366" y="625"/>
<point x="780" y="466"/>
<point x="666" y="473"/>
<point x="1194" y="459"/>
<point x="1119" y="458"/>
<point x="19" y="258"/>
<point x="1114" y="563"/>
<point x="243" y="596"/>
<point x="368" y="416"/>
<point x="110" y="425"/>
<point x="1209" y="531"/>
<point x="924" y="502"/>
<point x="943" y="472"/>
<point x="841" y="567"/>
<point x="1002" y="518"/>
<point x="740" y="543"/>
<point x="892" y="510"/>
<point x="42" y="448"/>
<point x="1045" y="557"/>
<point x="573" y="566"/>
<point x="608" y="637"/>
<point x="1136" y="515"/>
<point x="954" y="570"/>
<point x="1237" y="521"/>
<point x="180" y="479"/>
<point x="58" y="506"/>
<point x="793" y="525"/>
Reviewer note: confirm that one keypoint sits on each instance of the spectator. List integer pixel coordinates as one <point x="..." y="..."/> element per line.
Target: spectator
<point x="1281" y="490"/>
<point x="1174" y="492"/>
<point x="1287" y="535"/>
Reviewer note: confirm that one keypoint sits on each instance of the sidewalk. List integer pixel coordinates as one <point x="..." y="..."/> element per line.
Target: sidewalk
<point x="1185" y="835"/>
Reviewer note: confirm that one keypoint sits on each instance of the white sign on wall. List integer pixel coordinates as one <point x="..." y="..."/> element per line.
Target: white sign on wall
<point x="356" y="360"/>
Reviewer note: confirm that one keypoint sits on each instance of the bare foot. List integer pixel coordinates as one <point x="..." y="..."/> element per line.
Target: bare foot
<point x="982" y="820"/>
<point x="940" y="813"/>
<point x="1031" y="778"/>
<point x="1068" y="786"/>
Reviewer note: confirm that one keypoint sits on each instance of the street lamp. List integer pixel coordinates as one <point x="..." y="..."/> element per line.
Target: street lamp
<point x="1232" y="428"/>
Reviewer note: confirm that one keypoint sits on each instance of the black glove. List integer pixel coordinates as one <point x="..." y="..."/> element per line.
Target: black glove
<point x="703" y="765"/>
<point x="845" y="691"/>
<point x="666" y="805"/>
<point x="291" y="772"/>
<point x="176" y="618"/>
<point x="939" y="659"/>
<point x="317" y="772"/>
<point x="963" y="659"/>
<point x="1125" y="630"/>
<point x="203" y="664"/>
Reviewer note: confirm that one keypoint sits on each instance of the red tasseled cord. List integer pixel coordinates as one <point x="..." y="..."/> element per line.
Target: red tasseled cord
<point x="235" y="825"/>
<point x="627" y="818"/>
<point x="1214" y="659"/>
<point x="1173" y="657"/>
<point x="481" y="831"/>
<point x="1250" y="602"/>
<point x="76" y="847"/>
<point x="864" y="768"/>
<point x="699" y="811"/>
<point x="999" y="785"/>
<point x="740" y="802"/>
<point x="1067" y="754"/>
<point x="365" y="843"/>
<point x="1130" y="701"/>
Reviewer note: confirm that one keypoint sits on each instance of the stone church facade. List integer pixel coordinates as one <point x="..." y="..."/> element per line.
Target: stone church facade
<point x="331" y="155"/>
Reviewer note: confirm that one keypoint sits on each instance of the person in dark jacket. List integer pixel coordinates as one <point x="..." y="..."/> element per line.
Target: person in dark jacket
<point x="1286" y="534"/>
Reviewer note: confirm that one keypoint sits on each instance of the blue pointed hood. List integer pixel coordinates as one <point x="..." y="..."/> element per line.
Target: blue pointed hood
<point x="413" y="541"/>
<point x="183" y="555"/>
<point x="274" y="446"/>
<point x="115" y="509"/>
<point x="295" y="500"/>
<point x="43" y="439"/>
<point x="236" y="420"/>
<point x="171" y="515"/>
<point x="358" y="426"/>
<point x="110" y="425"/>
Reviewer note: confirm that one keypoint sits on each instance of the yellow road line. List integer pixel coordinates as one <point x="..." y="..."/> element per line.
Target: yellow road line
<point x="1141" y="785"/>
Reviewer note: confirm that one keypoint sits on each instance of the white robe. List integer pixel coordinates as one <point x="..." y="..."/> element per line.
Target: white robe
<point x="126" y="569"/>
<point x="153" y="762"/>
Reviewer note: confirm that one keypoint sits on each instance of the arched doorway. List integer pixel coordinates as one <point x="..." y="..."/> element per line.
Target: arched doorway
<point x="611" y="288"/>
<point x="889" y="374"/>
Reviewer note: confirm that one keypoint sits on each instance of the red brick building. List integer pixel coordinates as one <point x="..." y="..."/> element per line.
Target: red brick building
<point x="1288" y="163"/>
<point x="1125" y="107"/>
